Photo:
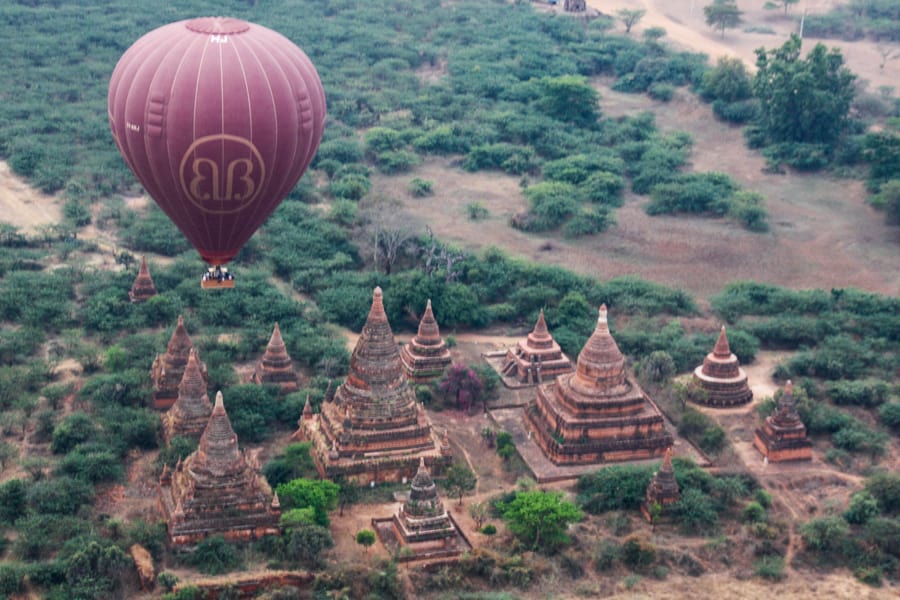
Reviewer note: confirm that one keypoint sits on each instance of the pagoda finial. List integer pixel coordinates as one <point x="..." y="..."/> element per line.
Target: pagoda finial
<point x="307" y="409"/>
<point x="667" y="460"/>
<point x="276" y="503"/>
<point x="722" y="349"/>
<point x="220" y="402"/>
<point x="540" y="327"/>
<point x="602" y="318"/>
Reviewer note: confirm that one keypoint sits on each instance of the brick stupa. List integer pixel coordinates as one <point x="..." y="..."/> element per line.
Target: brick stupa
<point x="168" y="368"/>
<point x="373" y="430"/>
<point x="142" y="289"/>
<point x="216" y="490"/>
<point x="190" y="413"/>
<point x="423" y="518"/>
<point x="663" y="488"/>
<point x="426" y="356"/>
<point x="783" y="435"/>
<point x="596" y="414"/>
<point x="721" y="377"/>
<point x="537" y="358"/>
<point x="275" y="366"/>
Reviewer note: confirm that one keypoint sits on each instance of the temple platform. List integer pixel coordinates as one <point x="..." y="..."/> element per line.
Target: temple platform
<point x="512" y="420"/>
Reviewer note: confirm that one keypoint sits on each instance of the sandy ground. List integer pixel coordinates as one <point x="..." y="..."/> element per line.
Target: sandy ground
<point x="23" y="206"/>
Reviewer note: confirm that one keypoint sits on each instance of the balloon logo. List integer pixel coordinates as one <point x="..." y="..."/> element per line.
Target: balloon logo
<point x="225" y="192"/>
<point x="218" y="118"/>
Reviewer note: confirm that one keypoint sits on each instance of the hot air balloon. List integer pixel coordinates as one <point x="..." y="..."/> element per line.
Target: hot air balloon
<point x="218" y="118"/>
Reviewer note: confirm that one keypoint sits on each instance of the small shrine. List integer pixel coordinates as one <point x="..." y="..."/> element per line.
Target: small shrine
<point x="537" y="358"/>
<point x="275" y="366"/>
<point x="426" y="356"/>
<point x="662" y="491"/>
<point x="721" y="377"/>
<point x="421" y="524"/>
<point x="596" y="414"/>
<point x="217" y="490"/>
<point x="575" y="5"/>
<point x="142" y="288"/>
<point x="373" y="429"/>
<point x="190" y="413"/>
<point x="782" y="436"/>
<point x="168" y="368"/>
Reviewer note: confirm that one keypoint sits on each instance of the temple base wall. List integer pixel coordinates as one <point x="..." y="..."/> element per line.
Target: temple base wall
<point x="782" y="450"/>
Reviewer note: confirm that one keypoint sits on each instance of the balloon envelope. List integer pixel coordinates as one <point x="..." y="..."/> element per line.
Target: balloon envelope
<point x="218" y="118"/>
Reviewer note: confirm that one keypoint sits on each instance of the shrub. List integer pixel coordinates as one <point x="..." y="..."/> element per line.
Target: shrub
<point x="638" y="553"/>
<point x="215" y="556"/>
<point x="860" y="393"/>
<point x="693" y="193"/>
<point x="420" y="187"/>
<point x="863" y="507"/>
<point x="476" y="211"/>
<point x="769" y="567"/>
<point x="754" y="513"/>
<point x="661" y="91"/>
<point x="488" y="529"/>
<point x="607" y="553"/>
<point x="889" y="414"/>
<point x="885" y="487"/>
<point x="588" y="222"/>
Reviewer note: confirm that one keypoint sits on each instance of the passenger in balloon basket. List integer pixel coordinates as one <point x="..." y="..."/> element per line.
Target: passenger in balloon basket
<point x="217" y="277"/>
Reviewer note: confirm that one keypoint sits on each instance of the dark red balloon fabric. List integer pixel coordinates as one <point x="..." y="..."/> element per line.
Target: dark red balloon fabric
<point x="218" y="118"/>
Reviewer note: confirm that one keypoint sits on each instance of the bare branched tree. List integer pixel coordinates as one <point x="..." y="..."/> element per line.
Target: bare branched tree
<point x="387" y="232"/>
<point x="436" y="256"/>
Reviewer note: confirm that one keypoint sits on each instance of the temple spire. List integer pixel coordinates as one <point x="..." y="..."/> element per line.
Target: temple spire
<point x="722" y="349"/>
<point x="142" y="288"/>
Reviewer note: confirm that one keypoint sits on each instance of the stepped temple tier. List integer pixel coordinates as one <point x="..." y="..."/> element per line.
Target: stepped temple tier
<point x="783" y="435"/>
<point x="276" y="366"/>
<point x="373" y="429"/>
<point x="596" y="414"/>
<point x="721" y="377"/>
<point x="422" y="524"/>
<point x="426" y="356"/>
<point x="537" y="358"/>
<point x="216" y="490"/>
<point x="663" y="489"/>
<point x="142" y="288"/>
<point x="190" y="413"/>
<point x="168" y="369"/>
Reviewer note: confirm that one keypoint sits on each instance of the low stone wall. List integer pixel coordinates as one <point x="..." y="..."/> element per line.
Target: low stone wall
<point x="249" y="586"/>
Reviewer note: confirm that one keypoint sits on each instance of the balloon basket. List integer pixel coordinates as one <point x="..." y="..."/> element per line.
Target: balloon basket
<point x="217" y="278"/>
<point x="214" y="284"/>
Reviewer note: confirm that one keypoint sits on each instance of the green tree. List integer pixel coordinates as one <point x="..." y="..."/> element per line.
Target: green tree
<point x="308" y="545"/>
<point x="630" y="18"/>
<point x="540" y="518"/>
<point x="804" y="101"/>
<point x="775" y="4"/>
<point x="322" y="496"/>
<point x="570" y="98"/>
<point x="365" y="538"/>
<point x="722" y="15"/>
<point x="825" y="534"/>
<point x="460" y="481"/>
<point x="95" y="570"/>
<point x="728" y="81"/>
